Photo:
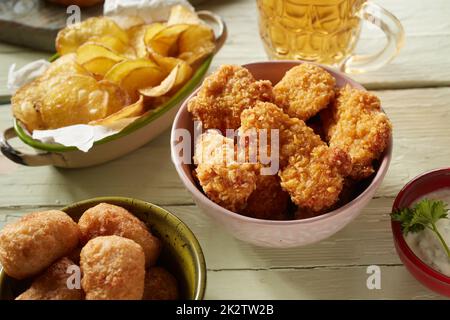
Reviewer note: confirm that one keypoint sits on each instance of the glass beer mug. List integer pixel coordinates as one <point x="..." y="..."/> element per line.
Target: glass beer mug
<point x="326" y="31"/>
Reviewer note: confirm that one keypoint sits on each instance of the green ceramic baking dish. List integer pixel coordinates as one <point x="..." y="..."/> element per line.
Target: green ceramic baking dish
<point x="129" y="139"/>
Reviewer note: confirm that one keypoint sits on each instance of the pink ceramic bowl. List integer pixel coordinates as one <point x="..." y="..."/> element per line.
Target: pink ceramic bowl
<point x="268" y="233"/>
<point x="415" y="189"/>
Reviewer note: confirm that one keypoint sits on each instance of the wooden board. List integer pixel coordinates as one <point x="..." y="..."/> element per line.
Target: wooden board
<point x="36" y="25"/>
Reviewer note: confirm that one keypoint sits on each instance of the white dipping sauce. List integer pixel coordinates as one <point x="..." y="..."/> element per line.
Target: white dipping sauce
<point x="426" y="245"/>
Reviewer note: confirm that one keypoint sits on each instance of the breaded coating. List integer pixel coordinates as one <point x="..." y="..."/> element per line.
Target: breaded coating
<point x="225" y="94"/>
<point x="350" y="191"/>
<point x="311" y="172"/>
<point x="53" y="284"/>
<point x="304" y="91"/>
<point x="113" y="268"/>
<point x="225" y="180"/>
<point x="260" y="123"/>
<point x="292" y="132"/>
<point x="106" y="219"/>
<point x="315" y="179"/>
<point x="269" y="201"/>
<point x="297" y="138"/>
<point x="355" y="123"/>
<point x="160" y="284"/>
<point x="31" y="244"/>
<point x="264" y="115"/>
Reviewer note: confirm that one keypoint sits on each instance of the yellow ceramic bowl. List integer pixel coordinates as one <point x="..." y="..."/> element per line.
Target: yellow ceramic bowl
<point x="181" y="254"/>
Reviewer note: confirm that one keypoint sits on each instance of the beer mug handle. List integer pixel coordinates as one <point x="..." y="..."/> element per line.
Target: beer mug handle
<point x="395" y="35"/>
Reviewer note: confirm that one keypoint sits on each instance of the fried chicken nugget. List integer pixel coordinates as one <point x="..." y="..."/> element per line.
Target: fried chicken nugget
<point x="52" y="284"/>
<point x="304" y="91"/>
<point x="268" y="116"/>
<point x="31" y="244"/>
<point x="315" y="179"/>
<point x="160" y="284"/>
<point x="106" y="219"/>
<point x="269" y="201"/>
<point x="113" y="269"/>
<point x="257" y="122"/>
<point x="314" y="175"/>
<point x="225" y="94"/>
<point x="311" y="172"/>
<point x="355" y="123"/>
<point x="225" y="181"/>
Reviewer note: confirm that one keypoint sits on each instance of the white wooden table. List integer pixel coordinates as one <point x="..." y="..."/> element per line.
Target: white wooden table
<point x="415" y="93"/>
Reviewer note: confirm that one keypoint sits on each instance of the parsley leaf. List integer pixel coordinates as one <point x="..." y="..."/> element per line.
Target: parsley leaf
<point x="425" y="214"/>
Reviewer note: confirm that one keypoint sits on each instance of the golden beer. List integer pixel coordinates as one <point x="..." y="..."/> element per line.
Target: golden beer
<point x="323" y="31"/>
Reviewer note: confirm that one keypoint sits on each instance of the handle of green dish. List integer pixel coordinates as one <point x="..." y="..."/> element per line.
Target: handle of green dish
<point x="222" y="31"/>
<point x="43" y="159"/>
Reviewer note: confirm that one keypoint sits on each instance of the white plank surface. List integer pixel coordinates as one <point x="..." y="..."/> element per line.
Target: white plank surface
<point x="334" y="268"/>
<point x="315" y="283"/>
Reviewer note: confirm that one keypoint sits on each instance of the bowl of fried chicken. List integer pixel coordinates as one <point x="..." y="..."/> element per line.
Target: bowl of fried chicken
<point x="281" y="153"/>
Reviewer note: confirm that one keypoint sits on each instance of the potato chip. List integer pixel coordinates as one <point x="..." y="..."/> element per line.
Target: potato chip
<point x="97" y="59"/>
<point x="134" y="75"/>
<point x="165" y="41"/>
<point x="99" y="66"/>
<point x="184" y="74"/>
<point x="124" y="68"/>
<point x="165" y="63"/>
<point x="196" y="43"/>
<point x="151" y="30"/>
<point x="134" y="110"/>
<point x="182" y="15"/>
<point x="141" y="78"/>
<point x="136" y="36"/>
<point x="71" y="37"/>
<point x="127" y="22"/>
<point x="117" y="97"/>
<point x="27" y="101"/>
<point x="65" y="65"/>
<point x="25" y="105"/>
<point x="112" y="43"/>
<point x="164" y="87"/>
<point x="177" y="77"/>
<point x="90" y="51"/>
<point x="72" y="99"/>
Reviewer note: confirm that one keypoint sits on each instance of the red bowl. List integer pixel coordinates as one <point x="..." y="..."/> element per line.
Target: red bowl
<point x="416" y="188"/>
